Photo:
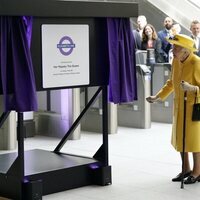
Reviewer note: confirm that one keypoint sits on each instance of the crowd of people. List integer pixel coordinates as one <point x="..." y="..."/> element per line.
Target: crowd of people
<point x="146" y="37"/>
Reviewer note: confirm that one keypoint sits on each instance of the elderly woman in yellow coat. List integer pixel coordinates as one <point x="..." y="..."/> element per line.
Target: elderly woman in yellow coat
<point x="185" y="77"/>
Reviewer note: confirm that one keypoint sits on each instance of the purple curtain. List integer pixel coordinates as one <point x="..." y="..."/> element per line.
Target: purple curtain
<point x="122" y="83"/>
<point x="17" y="76"/>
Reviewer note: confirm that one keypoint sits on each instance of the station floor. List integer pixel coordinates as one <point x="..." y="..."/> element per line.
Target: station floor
<point x="143" y="164"/>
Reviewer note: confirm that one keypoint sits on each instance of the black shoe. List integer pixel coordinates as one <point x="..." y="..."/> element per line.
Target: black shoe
<point x="178" y="178"/>
<point x="191" y="179"/>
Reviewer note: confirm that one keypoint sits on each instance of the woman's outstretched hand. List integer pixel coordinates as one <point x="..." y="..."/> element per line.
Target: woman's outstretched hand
<point x="152" y="99"/>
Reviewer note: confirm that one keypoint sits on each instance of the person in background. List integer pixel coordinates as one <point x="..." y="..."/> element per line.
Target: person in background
<point x="165" y="33"/>
<point x="150" y="40"/>
<point x="141" y="23"/>
<point x="175" y="29"/>
<point x="185" y="77"/>
<point x="195" y="30"/>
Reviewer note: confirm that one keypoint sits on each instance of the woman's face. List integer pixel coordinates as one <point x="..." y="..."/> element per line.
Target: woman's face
<point x="148" y="31"/>
<point x="179" y="52"/>
<point x="176" y="50"/>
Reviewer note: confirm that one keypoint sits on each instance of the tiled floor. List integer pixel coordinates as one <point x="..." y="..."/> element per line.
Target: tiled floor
<point x="143" y="163"/>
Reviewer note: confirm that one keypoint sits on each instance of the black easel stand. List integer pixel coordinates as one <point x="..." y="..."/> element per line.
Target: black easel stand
<point x="27" y="175"/>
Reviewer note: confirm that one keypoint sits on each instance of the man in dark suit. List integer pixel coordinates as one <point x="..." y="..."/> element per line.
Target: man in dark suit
<point x="195" y="29"/>
<point x="163" y="34"/>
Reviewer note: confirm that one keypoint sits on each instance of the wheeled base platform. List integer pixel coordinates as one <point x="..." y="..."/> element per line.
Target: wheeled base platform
<point x="48" y="172"/>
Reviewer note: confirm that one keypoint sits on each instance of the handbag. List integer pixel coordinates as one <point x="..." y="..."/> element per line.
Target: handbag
<point x="196" y="108"/>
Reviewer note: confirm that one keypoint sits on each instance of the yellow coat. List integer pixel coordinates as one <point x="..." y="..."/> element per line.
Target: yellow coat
<point x="188" y="71"/>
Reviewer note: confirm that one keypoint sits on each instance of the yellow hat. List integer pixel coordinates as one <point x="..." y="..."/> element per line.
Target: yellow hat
<point x="183" y="41"/>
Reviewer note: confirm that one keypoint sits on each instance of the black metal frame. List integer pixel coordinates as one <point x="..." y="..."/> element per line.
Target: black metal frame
<point x="100" y="174"/>
<point x="15" y="183"/>
<point x="57" y="8"/>
<point x="3" y="117"/>
<point x="77" y="121"/>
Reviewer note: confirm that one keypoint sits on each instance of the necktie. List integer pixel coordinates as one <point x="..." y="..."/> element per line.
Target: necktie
<point x="196" y="40"/>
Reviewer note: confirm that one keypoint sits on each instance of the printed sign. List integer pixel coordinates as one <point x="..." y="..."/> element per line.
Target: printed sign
<point x="65" y="55"/>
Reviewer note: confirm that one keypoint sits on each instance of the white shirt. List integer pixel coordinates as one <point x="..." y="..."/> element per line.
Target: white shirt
<point x="197" y="41"/>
